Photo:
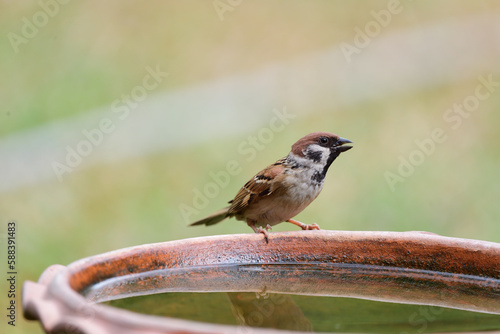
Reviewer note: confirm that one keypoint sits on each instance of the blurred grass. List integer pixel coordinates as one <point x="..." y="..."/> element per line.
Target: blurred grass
<point x="92" y="52"/>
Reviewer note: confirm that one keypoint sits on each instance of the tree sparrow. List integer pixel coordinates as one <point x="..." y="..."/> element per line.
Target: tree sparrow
<point x="282" y="190"/>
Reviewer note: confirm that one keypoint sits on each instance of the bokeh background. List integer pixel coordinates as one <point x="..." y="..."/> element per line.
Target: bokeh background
<point x="173" y="91"/>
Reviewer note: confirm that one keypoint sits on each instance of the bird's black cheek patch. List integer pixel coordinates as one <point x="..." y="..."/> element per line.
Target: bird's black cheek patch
<point x="315" y="156"/>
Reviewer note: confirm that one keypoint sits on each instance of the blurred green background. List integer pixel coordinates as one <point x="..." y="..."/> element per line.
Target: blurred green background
<point x="67" y="67"/>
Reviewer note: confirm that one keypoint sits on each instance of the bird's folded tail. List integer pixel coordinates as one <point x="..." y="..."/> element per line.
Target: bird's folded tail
<point x="212" y="219"/>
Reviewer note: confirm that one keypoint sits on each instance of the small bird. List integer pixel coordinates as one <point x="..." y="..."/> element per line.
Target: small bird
<point x="283" y="189"/>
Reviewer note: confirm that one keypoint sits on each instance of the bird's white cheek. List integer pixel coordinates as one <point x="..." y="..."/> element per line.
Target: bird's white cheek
<point x="317" y="155"/>
<point x="311" y="164"/>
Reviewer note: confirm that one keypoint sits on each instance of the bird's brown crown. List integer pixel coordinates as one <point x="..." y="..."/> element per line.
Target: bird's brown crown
<point x="312" y="138"/>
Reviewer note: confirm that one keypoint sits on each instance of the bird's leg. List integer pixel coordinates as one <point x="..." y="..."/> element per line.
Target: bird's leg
<point x="259" y="230"/>
<point x="304" y="226"/>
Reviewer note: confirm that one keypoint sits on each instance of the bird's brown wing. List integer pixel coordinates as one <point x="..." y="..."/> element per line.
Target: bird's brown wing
<point x="261" y="185"/>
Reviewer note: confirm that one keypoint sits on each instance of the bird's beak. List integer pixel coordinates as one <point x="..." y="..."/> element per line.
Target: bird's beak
<point x="338" y="145"/>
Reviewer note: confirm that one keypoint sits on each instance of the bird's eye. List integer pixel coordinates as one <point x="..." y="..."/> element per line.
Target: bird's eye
<point x="323" y="140"/>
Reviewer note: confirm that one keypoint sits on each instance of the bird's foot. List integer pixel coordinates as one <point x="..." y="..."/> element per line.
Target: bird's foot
<point x="261" y="230"/>
<point x="312" y="226"/>
<point x="264" y="231"/>
<point x="303" y="226"/>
